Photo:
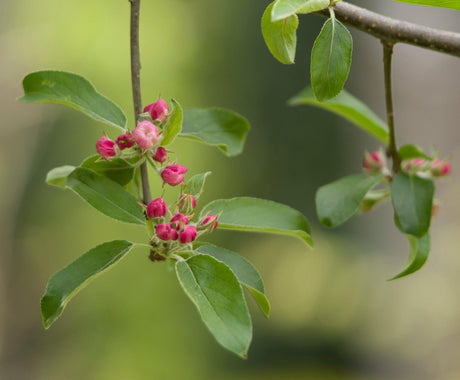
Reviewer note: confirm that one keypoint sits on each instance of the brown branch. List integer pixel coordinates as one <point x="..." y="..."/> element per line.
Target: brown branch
<point x="394" y="31"/>
<point x="136" y="84"/>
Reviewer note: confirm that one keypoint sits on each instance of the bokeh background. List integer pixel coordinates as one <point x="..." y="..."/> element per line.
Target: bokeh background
<point x="334" y="315"/>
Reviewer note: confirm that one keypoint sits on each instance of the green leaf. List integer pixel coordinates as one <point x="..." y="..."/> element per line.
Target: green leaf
<point x="419" y="251"/>
<point x="58" y="176"/>
<point x="330" y="60"/>
<point x="214" y="126"/>
<point x="106" y="196"/>
<point x="412" y="199"/>
<point x="74" y="91"/>
<point x="70" y="280"/>
<point x="243" y="270"/>
<point x="253" y="214"/>
<point x="338" y="201"/>
<point x="280" y="36"/>
<point x="116" y="169"/>
<point x="195" y="185"/>
<point x="286" y="8"/>
<point x="173" y="125"/>
<point x="350" y="108"/>
<point x="216" y="292"/>
<point x="407" y="152"/>
<point x="452" y="4"/>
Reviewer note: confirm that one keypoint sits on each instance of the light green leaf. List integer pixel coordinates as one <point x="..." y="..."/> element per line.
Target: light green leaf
<point x="419" y="251"/>
<point x="407" y="152"/>
<point x="66" y="283"/>
<point x="280" y="36"/>
<point x="243" y="270"/>
<point x="452" y="4"/>
<point x="338" y="201"/>
<point x="173" y="125"/>
<point x="214" y="126"/>
<point x="261" y="215"/>
<point x="330" y="60"/>
<point x="106" y="196"/>
<point x="350" y="108"/>
<point x="116" y="169"/>
<point x="195" y="185"/>
<point x="58" y="176"/>
<point x="412" y="199"/>
<point x="286" y="8"/>
<point x="216" y="292"/>
<point x="74" y="91"/>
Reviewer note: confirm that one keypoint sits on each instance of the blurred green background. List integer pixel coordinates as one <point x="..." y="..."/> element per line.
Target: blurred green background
<point x="334" y="316"/>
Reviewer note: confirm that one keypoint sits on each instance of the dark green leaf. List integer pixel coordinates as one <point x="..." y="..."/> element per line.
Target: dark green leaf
<point x="195" y="185"/>
<point x="217" y="294"/>
<point x="243" y="270"/>
<point x="286" y="8"/>
<point x="173" y="125"/>
<point x="106" y="196"/>
<point x="58" y="176"/>
<point x="350" y="108"/>
<point x="280" y="36"/>
<point x="70" y="280"/>
<point x="338" y="201"/>
<point x="452" y="4"/>
<point x="412" y="199"/>
<point x="253" y="214"/>
<point x="419" y="251"/>
<point x="116" y="169"/>
<point x="407" y="152"/>
<point x="74" y="91"/>
<point x="225" y="129"/>
<point x="330" y="60"/>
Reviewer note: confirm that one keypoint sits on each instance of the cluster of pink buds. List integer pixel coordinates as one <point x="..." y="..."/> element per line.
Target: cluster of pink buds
<point x="427" y="167"/>
<point x="375" y="162"/>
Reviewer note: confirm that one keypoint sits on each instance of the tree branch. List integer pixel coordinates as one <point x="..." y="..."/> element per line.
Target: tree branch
<point x="392" y="30"/>
<point x="136" y="84"/>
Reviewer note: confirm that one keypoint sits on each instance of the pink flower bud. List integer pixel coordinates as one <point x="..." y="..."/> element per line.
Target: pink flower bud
<point x="158" y="110"/>
<point x="440" y="168"/>
<point x="209" y="223"/>
<point x="125" y="141"/>
<point x="173" y="174"/>
<point x="105" y="147"/>
<point x="160" y="154"/>
<point x="178" y="221"/>
<point x="145" y="134"/>
<point x="414" y="165"/>
<point x="188" y="234"/>
<point x="156" y="208"/>
<point x="165" y="232"/>
<point x="187" y="203"/>
<point x="374" y="162"/>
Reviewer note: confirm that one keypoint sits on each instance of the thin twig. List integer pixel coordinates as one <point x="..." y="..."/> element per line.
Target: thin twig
<point x="392" y="30"/>
<point x="136" y="84"/>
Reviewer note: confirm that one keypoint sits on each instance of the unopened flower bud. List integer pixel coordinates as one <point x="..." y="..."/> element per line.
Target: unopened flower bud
<point x="209" y="223"/>
<point x="178" y="221"/>
<point x="156" y="208"/>
<point x="187" y="204"/>
<point x="105" y="147"/>
<point x="374" y="162"/>
<point x="165" y="232"/>
<point x="145" y="134"/>
<point x="440" y="168"/>
<point x="160" y="154"/>
<point x="125" y="141"/>
<point x="158" y="110"/>
<point x="173" y="174"/>
<point x="414" y="165"/>
<point x="188" y="234"/>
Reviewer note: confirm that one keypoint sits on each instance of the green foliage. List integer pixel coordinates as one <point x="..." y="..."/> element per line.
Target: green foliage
<point x="58" y="176"/>
<point x="452" y="4"/>
<point x="116" y="169"/>
<point x="66" y="283"/>
<point x="74" y="91"/>
<point x="253" y="214"/>
<point x="195" y="185"/>
<point x="215" y="126"/>
<point x="407" y="152"/>
<point x="216" y="292"/>
<point x="173" y="125"/>
<point x="286" y="8"/>
<point x="350" y="108"/>
<point x="419" y="251"/>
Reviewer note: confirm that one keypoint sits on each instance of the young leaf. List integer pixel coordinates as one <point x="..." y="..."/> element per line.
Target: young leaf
<point x="245" y="272"/>
<point x="419" y="251"/>
<point x="195" y="184"/>
<point x="338" y="201"/>
<point x="407" y="152"/>
<point x="173" y="125"/>
<point x="350" y="108"/>
<point x="330" y="60"/>
<point x="116" y="169"/>
<point x="214" y="126"/>
<point x="74" y="91"/>
<point x="253" y="214"/>
<point x="412" y="199"/>
<point x="452" y="4"/>
<point x="58" y="176"/>
<point x="286" y="8"/>
<point x="216" y="292"/>
<point x="280" y="36"/>
<point x="70" y="280"/>
<point x="106" y="196"/>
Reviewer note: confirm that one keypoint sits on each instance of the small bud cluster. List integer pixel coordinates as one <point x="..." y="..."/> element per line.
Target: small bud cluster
<point x="426" y="167"/>
<point x="375" y="162"/>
